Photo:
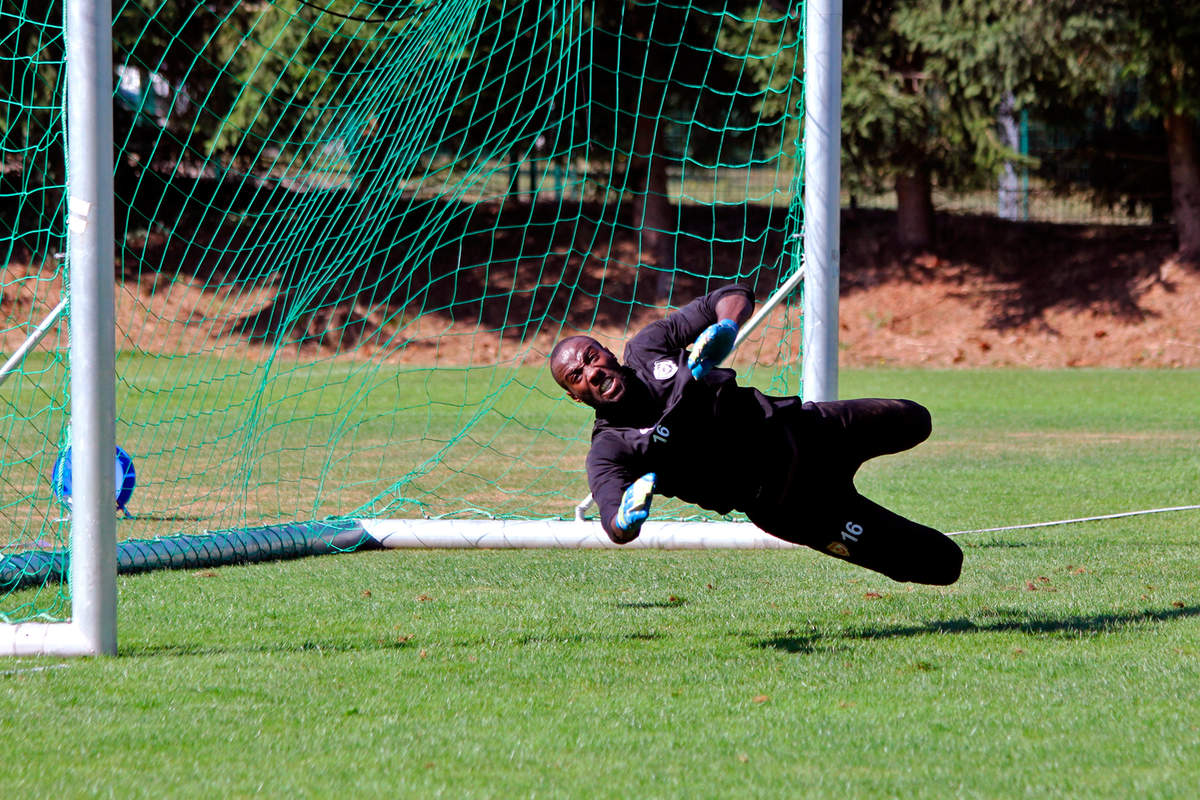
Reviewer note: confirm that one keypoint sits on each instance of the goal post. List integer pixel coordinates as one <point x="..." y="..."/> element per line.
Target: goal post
<point x="822" y="196"/>
<point x="345" y="236"/>
<point x="91" y="629"/>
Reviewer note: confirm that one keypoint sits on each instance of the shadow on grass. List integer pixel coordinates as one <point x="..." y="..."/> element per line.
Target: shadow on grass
<point x="334" y="646"/>
<point x="1031" y="625"/>
<point x="330" y="647"/>
<point x="996" y="543"/>
<point x="672" y="603"/>
<point x="790" y="642"/>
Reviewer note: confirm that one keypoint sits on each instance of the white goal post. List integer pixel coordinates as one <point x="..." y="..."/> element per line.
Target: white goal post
<point x="92" y="629"/>
<point x="822" y="196"/>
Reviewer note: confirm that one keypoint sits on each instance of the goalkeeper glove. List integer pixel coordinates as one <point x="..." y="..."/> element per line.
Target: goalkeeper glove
<point x="711" y="347"/>
<point x="635" y="506"/>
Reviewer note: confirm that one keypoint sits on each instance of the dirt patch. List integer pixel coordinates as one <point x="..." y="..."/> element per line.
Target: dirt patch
<point x="992" y="293"/>
<point x="1005" y="294"/>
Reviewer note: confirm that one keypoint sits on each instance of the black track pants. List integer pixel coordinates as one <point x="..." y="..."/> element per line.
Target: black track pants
<point x="820" y="508"/>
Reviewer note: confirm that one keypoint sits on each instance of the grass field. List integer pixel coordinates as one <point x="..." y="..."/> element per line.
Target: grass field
<point x="1064" y="663"/>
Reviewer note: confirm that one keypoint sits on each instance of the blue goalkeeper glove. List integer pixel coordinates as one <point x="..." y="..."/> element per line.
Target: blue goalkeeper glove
<point x="712" y="347"/>
<point x="635" y="506"/>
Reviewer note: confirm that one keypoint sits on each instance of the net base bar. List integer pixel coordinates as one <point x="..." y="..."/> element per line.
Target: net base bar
<point x="213" y="549"/>
<point x="301" y="539"/>
<point x="541" y="534"/>
<point x="298" y="540"/>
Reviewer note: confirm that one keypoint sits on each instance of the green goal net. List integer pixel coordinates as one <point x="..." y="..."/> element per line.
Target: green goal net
<point x="348" y="233"/>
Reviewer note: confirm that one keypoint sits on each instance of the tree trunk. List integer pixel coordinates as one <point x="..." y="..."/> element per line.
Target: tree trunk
<point x="652" y="206"/>
<point x="1184" y="164"/>
<point x="914" y="209"/>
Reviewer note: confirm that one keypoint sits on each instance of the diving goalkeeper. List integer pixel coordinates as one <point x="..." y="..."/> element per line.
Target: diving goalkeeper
<point x="670" y="421"/>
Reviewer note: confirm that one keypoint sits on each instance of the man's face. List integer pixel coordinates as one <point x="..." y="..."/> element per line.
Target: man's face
<point x="589" y="372"/>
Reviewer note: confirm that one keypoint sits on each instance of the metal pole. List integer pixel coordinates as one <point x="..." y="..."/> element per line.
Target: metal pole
<point x="822" y="196"/>
<point x="90" y="238"/>
<point x="1007" y="196"/>
<point x="766" y="308"/>
<point x="38" y="334"/>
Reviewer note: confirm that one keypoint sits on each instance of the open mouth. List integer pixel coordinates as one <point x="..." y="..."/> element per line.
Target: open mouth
<point x="607" y="385"/>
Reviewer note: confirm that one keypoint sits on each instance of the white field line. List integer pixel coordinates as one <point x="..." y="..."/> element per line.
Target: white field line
<point x="1078" y="519"/>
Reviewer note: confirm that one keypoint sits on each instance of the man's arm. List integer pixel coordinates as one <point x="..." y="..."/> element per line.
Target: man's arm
<point x="715" y="343"/>
<point x="680" y="328"/>
<point x="634" y="509"/>
<point x="736" y="307"/>
<point x="622" y="497"/>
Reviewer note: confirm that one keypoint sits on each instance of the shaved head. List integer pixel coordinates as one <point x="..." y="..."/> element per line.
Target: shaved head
<point x="588" y="371"/>
<point x="560" y="352"/>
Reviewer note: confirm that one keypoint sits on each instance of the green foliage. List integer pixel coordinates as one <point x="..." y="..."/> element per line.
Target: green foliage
<point x="1155" y="42"/>
<point x="980" y="55"/>
<point x="30" y="53"/>
<point x="480" y="80"/>
<point x="923" y="83"/>
<point x="1130" y="67"/>
<point x="925" y="80"/>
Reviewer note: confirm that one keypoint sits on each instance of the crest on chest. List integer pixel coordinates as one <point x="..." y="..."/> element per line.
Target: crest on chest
<point x="665" y="370"/>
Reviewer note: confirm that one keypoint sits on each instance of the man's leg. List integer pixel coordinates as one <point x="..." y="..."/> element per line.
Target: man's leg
<point x="855" y="529"/>
<point x="869" y="535"/>
<point x="852" y="431"/>
<point x="821" y="509"/>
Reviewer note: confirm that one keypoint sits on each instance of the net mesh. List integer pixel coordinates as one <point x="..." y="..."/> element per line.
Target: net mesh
<point x="349" y="232"/>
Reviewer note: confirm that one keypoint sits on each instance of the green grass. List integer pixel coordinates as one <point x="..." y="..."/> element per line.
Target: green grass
<point x="1063" y="664"/>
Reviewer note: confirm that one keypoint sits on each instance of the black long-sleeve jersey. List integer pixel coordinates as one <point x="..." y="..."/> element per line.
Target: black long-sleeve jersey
<point x="710" y="442"/>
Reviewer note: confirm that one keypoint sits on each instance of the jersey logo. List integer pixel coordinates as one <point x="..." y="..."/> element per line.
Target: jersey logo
<point x="664" y="369"/>
<point x="838" y="549"/>
<point x="661" y="434"/>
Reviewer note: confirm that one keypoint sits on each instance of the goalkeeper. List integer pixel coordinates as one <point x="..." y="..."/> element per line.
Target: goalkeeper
<point x="671" y="422"/>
